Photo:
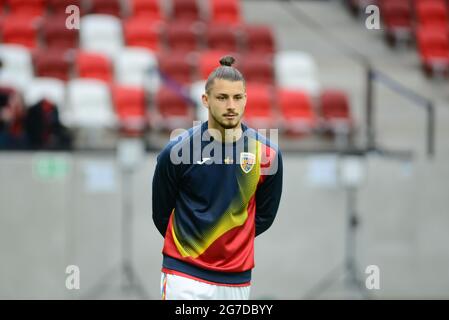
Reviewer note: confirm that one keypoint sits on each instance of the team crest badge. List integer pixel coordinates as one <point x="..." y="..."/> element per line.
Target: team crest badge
<point x="247" y="161"/>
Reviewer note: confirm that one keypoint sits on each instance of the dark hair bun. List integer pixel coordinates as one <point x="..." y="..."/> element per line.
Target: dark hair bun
<point x="227" y="61"/>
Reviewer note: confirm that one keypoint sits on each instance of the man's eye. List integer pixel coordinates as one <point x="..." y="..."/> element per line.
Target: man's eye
<point x="238" y="98"/>
<point x="221" y="98"/>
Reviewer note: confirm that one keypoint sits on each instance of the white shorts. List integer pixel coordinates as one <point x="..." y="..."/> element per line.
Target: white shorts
<point x="175" y="287"/>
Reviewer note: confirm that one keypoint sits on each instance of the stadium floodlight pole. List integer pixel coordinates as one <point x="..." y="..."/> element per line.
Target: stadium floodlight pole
<point x="370" y="125"/>
<point x="430" y="129"/>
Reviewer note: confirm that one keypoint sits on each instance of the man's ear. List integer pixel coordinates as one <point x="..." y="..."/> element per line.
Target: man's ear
<point x="205" y="100"/>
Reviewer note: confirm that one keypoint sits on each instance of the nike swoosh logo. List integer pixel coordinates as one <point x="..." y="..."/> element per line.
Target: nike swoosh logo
<point x="203" y="161"/>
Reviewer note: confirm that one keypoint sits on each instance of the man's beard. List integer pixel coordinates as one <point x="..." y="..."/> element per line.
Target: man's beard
<point x="227" y="125"/>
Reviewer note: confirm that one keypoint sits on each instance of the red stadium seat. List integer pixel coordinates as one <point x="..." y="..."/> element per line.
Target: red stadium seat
<point x="21" y="29"/>
<point x="432" y="13"/>
<point x="56" y="35"/>
<point x="397" y="18"/>
<point x="174" y="108"/>
<point x="27" y="7"/>
<point x="149" y="9"/>
<point x="335" y="111"/>
<point x="258" y="68"/>
<point x="131" y="108"/>
<point x="209" y="60"/>
<point x="296" y="111"/>
<point x="111" y="7"/>
<point x="259" y="107"/>
<point x="139" y="32"/>
<point x="59" y="7"/>
<point x="259" y="38"/>
<point x="52" y="63"/>
<point x="221" y="37"/>
<point x="182" y="37"/>
<point x="175" y="68"/>
<point x="185" y="10"/>
<point x="433" y="47"/>
<point x="225" y="11"/>
<point x="94" y="66"/>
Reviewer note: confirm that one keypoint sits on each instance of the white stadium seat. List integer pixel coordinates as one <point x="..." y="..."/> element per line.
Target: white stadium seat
<point x="50" y="88"/>
<point x="17" y="70"/>
<point x="137" y="67"/>
<point x="89" y="105"/>
<point x="101" y="33"/>
<point x="297" y="70"/>
<point x="196" y="91"/>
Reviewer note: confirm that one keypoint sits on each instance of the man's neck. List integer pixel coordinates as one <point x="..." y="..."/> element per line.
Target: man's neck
<point x="224" y="135"/>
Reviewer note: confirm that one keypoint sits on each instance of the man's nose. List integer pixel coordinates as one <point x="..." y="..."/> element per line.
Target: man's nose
<point x="231" y="104"/>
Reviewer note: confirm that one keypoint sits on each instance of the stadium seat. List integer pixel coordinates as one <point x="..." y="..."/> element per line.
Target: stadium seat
<point x="432" y="13"/>
<point x="258" y="68"/>
<point x="56" y="36"/>
<point x="93" y="66"/>
<point x="197" y="89"/>
<point x="222" y="37"/>
<point x="27" y="7"/>
<point x="433" y="47"/>
<point x="296" y="111"/>
<point x="139" y="32"/>
<point x="89" y="105"/>
<point x="335" y="111"/>
<point x="259" y="38"/>
<point x="209" y="60"/>
<point x="175" y="68"/>
<point x="149" y="9"/>
<point x="397" y="18"/>
<point x="137" y="67"/>
<point x="101" y="33"/>
<point x="297" y="70"/>
<point x="174" y="108"/>
<point x="109" y="7"/>
<point x="225" y="11"/>
<point x="49" y="88"/>
<point x="185" y="10"/>
<point x="20" y="29"/>
<point x="17" y="68"/>
<point x="182" y="36"/>
<point x="259" y="107"/>
<point x="53" y="63"/>
<point x="131" y="108"/>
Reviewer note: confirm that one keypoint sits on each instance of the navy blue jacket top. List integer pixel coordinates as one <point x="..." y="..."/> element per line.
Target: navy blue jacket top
<point x="211" y="199"/>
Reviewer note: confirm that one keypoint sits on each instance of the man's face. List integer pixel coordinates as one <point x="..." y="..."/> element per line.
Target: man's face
<point x="226" y="102"/>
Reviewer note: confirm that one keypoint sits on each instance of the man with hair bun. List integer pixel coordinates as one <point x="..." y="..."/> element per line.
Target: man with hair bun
<point x="209" y="209"/>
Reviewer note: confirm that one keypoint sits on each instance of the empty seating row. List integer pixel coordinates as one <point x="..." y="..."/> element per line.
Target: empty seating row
<point x="93" y="104"/>
<point x="227" y="11"/>
<point x="108" y="34"/>
<point x="141" y="67"/>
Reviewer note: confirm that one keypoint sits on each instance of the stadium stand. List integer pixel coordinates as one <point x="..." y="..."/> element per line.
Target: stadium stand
<point x="160" y="54"/>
